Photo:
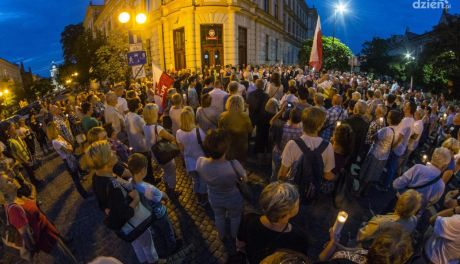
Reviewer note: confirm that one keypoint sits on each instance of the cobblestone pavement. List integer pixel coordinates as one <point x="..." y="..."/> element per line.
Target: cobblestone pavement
<point x="81" y="219"/>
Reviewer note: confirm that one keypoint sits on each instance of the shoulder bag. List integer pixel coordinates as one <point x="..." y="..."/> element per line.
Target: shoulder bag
<point x="163" y="150"/>
<point x="11" y="236"/>
<point x="242" y="185"/>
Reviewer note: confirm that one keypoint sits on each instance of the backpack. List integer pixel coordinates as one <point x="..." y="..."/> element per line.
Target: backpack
<point x="307" y="174"/>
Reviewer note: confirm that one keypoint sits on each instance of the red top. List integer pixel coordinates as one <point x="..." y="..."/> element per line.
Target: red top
<point x="44" y="233"/>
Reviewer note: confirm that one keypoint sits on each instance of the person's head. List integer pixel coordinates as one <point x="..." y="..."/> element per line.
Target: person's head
<point x="109" y="130"/>
<point x="218" y="84"/>
<point x="391" y="98"/>
<point x="337" y="99"/>
<point x="208" y="82"/>
<point x="260" y="84"/>
<point x="292" y="87"/>
<point x="380" y="110"/>
<point x="187" y="119"/>
<point x="451" y="109"/>
<point x="418" y="114"/>
<point x="119" y="89"/>
<point x="8" y="190"/>
<point x="441" y="158"/>
<point x="279" y="201"/>
<point x="370" y="94"/>
<point x="235" y="103"/>
<point x="150" y="114"/>
<point x="233" y="87"/>
<point x="134" y="104"/>
<point x="356" y="96"/>
<point x="360" y="108"/>
<point x="276" y="79"/>
<point x="192" y="81"/>
<point x="54" y="110"/>
<point x="319" y="99"/>
<point x="101" y="155"/>
<point x="206" y="100"/>
<point x="96" y="134"/>
<point x="111" y="98"/>
<point x="52" y="131"/>
<point x="11" y="130"/>
<point x="295" y="115"/>
<point x="272" y="106"/>
<point x="137" y="165"/>
<point x="216" y="143"/>
<point x="377" y="94"/>
<point x="451" y="144"/>
<point x="87" y="108"/>
<point x="394" y="117"/>
<point x="410" y="108"/>
<point x="342" y="137"/>
<point x="303" y="93"/>
<point x="313" y="119"/>
<point x="408" y="204"/>
<point x="393" y="245"/>
<point x="176" y="100"/>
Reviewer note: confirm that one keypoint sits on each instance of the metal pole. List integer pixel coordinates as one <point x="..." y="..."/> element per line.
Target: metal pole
<point x="163" y="37"/>
<point x="333" y="32"/>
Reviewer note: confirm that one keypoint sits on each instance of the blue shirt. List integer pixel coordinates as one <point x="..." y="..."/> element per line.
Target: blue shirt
<point x="153" y="195"/>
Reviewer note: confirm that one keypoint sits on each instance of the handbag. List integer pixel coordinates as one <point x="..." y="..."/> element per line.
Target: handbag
<point x="12" y="238"/>
<point x="163" y="150"/>
<point x="137" y="224"/>
<point x="242" y="185"/>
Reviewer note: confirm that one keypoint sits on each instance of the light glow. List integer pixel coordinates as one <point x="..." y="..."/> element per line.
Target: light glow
<point x="141" y="18"/>
<point x="124" y="17"/>
<point x="341" y="8"/>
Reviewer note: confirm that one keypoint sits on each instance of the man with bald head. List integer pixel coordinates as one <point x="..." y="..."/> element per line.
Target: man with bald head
<point x="333" y="114"/>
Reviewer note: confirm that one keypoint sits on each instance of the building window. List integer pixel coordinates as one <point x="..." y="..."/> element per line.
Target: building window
<point x="289" y="24"/>
<point x="266" y="47"/>
<point x="276" y="50"/>
<point x="266" y="5"/>
<point x="276" y="9"/>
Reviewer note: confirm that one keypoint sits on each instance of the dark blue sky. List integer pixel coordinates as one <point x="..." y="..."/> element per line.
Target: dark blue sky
<point x="30" y="29"/>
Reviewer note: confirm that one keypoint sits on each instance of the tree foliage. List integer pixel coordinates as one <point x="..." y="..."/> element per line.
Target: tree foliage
<point x="376" y="57"/>
<point x="79" y="47"/>
<point x="111" y="59"/>
<point x="335" y="56"/>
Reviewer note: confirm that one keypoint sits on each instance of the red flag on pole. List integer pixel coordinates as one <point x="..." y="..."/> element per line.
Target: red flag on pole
<point x="163" y="82"/>
<point x="316" y="55"/>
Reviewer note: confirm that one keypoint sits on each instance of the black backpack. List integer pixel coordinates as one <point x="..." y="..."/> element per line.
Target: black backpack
<point x="308" y="172"/>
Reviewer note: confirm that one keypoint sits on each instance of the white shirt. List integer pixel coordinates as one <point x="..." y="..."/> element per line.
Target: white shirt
<point x="60" y="145"/>
<point x="122" y="105"/>
<point x="112" y="115"/>
<point x="217" y="101"/>
<point x="290" y="98"/>
<point x="292" y="152"/>
<point x="405" y="128"/>
<point x="134" y="124"/>
<point x="443" y="247"/>
<point x="150" y="135"/>
<point x="192" y="150"/>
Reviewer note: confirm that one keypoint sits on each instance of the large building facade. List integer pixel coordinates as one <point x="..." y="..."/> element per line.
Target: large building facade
<point x="193" y="34"/>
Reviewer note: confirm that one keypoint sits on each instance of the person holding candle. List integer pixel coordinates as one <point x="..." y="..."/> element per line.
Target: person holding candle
<point x="384" y="142"/>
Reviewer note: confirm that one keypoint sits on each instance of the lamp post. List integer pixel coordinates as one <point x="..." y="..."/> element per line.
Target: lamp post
<point x="339" y="8"/>
<point x="408" y="56"/>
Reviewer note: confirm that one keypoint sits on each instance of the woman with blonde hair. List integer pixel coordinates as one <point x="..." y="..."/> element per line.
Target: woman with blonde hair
<point x="175" y="110"/>
<point x="237" y="123"/>
<point x="117" y="199"/>
<point x="405" y="212"/>
<point x="190" y="140"/>
<point x="453" y="145"/>
<point x="153" y="133"/>
<point x="66" y="153"/>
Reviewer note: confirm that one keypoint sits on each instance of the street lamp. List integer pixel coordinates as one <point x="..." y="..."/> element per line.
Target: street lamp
<point x="339" y="8"/>
<point x="410" y="58"/>
<point x="141" y="18"/>
<point x="124" y="17"/>
<point x="6" y="91"/>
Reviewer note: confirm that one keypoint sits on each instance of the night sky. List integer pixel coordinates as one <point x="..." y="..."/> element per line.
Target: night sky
<point x="30" y="29"/>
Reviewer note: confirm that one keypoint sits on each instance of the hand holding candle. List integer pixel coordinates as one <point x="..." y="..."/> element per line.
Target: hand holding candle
<point x="339" y="222"/>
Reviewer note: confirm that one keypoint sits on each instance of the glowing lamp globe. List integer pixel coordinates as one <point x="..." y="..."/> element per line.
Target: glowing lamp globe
<point x="141" y="18"/>
<point x="124" y="17"/>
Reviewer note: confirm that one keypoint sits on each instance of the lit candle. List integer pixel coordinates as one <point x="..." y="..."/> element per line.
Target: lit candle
<point x="381" y="120"/>
<point x="339" y="222"/>
<point x="339" y="123"/>
<point x="424" y="158"/>
<point x="445" y="115"/>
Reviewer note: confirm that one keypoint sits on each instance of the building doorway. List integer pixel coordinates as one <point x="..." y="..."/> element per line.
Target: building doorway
<point x="242" y="46"/>
<point x="179" y="49"/>
<point x="212" y="48"/>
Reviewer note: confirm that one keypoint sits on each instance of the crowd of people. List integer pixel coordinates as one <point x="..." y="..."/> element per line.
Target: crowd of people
<point x="331" y="135"/>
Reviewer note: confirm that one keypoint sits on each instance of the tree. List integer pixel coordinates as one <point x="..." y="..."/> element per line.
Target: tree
<point x="79" y="47"/>
<point x="376" y="56"/>
<point x="334" y="56"/>
<point x="111" y="59"/>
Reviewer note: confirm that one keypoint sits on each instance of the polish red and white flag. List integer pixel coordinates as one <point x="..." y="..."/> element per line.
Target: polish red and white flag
<point x="316" y="55"/>
<point x="162" y="83"/>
